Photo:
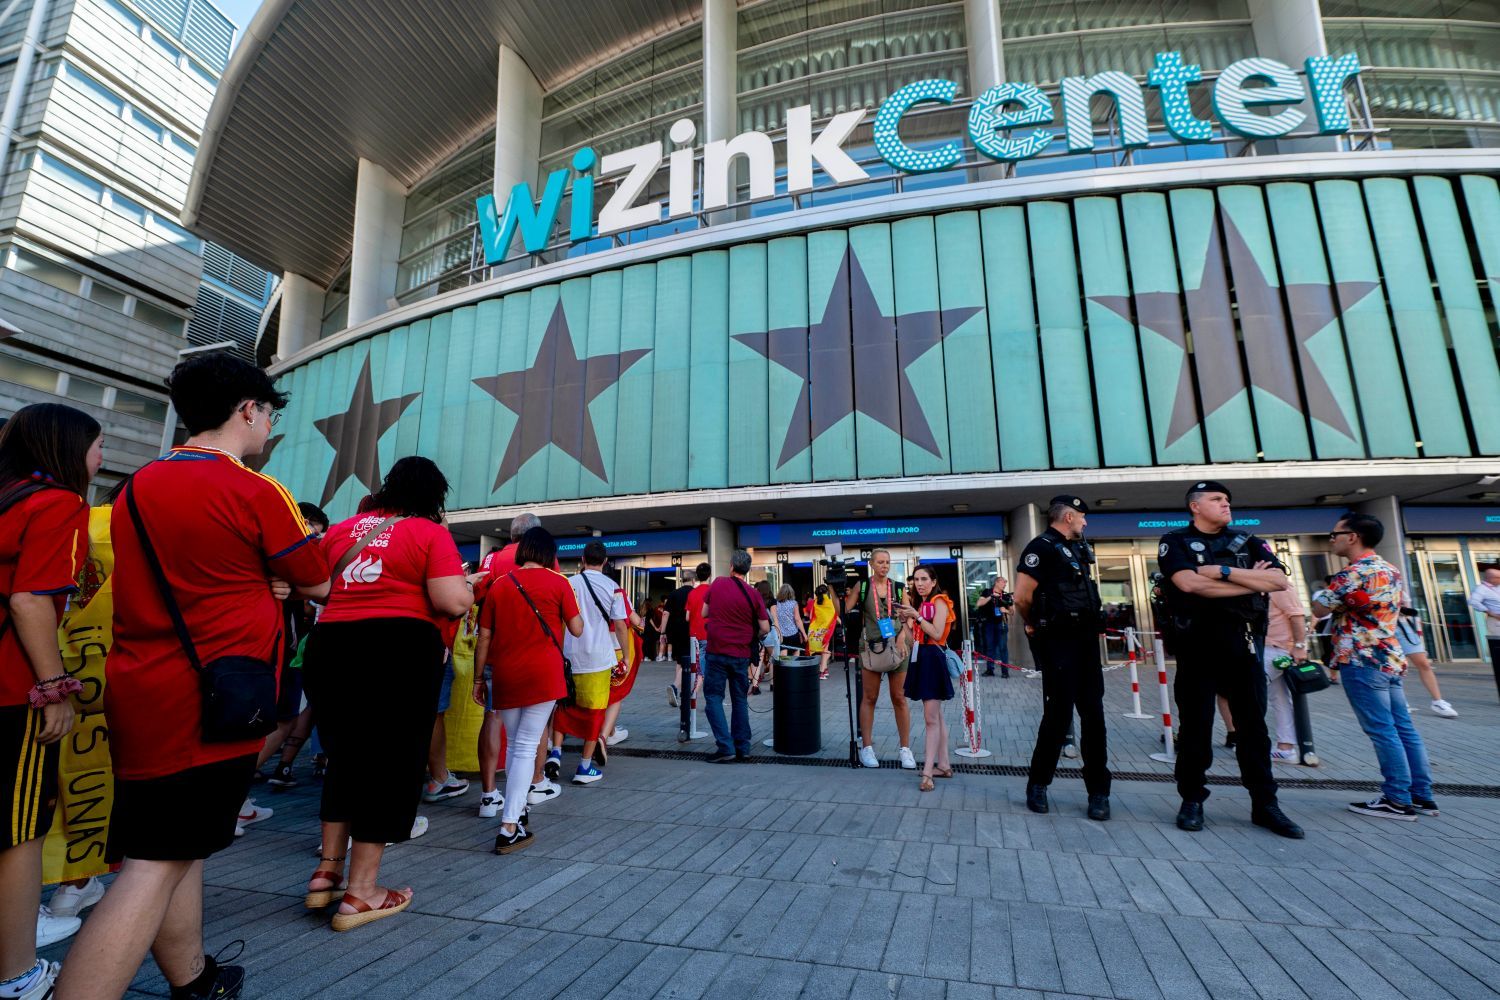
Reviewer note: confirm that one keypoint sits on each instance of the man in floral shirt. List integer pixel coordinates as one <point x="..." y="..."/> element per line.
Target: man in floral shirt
<point x="1366" y="599"/>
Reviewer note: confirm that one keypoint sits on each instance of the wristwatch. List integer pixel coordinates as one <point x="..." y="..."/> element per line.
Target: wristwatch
<point x="1299" y="645"/>
<point x="1224" y="572"/>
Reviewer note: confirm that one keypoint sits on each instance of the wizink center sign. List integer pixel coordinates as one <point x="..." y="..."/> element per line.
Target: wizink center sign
<point x="1240" y="93"/>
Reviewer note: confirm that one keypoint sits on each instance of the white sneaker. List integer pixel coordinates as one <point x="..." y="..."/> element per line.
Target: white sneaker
<point x="490" y="803"/>
<point x="908" y="762"/>
<point x="40" y="988"/>
<point x="1070" y="751"/>
<point x="867" y="757"/>
<point x="418" y="827"/>
<point x="1443" y="709"/>
<point x="251" y="813"/>
<point x="618" y="736"/>
<point x="1280" y="756"/>
<point x="69" y="901"/>
<point x="51" y="929"/>
<point x="544" y="791"/>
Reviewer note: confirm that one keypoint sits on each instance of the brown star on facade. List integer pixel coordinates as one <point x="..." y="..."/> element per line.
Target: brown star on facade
<point x="355" y="434"/>
<point x="552" y="399"/>
<point x="1313" y="308"/>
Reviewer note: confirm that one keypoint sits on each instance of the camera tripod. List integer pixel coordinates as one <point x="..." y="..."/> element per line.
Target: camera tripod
<point x="852" y="682"/>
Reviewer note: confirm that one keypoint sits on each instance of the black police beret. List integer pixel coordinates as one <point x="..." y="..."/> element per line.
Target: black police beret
<point x="1207" y="486"/>
<point x="1075" y="502"/>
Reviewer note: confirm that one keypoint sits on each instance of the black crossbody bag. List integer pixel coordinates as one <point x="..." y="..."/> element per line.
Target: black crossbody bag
<point x="237" y="693"/>
<point x="572" y="697"/>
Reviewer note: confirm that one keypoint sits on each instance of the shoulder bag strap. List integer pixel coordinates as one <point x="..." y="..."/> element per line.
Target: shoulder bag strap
<point x="359" y="546"/>
<point x="160" y="576"/>
<point x="539" y="619"/>
<point x="748" y="602"/>
<point x="583" y="575"/>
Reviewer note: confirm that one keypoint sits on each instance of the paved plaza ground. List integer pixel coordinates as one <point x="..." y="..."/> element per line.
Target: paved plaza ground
<point x="677" y="878"/>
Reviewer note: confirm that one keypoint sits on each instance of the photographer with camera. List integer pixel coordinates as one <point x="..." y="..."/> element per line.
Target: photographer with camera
<point x="883" y="648"/>
<point x="1059" y="601"/>
<point x="992" y="626"/>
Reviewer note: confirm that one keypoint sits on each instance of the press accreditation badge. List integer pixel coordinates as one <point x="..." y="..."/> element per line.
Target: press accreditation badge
<point x="887" y="628"/>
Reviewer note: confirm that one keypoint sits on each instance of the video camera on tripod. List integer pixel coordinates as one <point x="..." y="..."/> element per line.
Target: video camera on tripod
<point x="835" y="570"/>
<point x="836" y="576"/>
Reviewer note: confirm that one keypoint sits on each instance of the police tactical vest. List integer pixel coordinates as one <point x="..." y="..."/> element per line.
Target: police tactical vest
<point x="1230" y="548"/>
<point x="1073" y="594"/>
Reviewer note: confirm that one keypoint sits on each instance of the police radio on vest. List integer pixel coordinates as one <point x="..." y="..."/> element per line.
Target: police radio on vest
<point x="1240" y="88"/>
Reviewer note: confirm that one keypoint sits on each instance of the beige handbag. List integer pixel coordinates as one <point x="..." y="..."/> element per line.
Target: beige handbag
<point x="880" y="655"/>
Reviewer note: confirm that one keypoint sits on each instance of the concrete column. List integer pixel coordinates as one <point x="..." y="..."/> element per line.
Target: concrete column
<point x="488" y="544"/>
<point x="721" y="545"/>
<point x="301" y="317"/>
<point x="721" y="88"/>
<point x="518" y="124"/>
<point x="986" y="61"/>
<point x="379" y="206"/>
<point x="1021" y="526"/>
<point x="1291" y="31"/>
<point x="1392" y="547"/>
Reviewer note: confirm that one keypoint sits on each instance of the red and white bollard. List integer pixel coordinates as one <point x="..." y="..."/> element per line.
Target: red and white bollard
<point x="1169" y="748"/>
<point x="1131" y="645"/>
<point x="973" y="719"/>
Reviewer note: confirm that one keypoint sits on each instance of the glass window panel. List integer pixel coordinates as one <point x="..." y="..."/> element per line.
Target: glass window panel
<point x="140" y="406"/>
<point x="85" y="391"/>
<point x="202" y="73"/>
<point x="131" y="209"/>
<point x="92" y="88"/>
<point x="1473" y="10"/>
<point x="1410" y="95"/>
<point x="107" y="296"/>
<point x="124" y="14"/>
<point x="473" y="169"/>
<point x="337" y="319"/>
<point x="160" y="43"/>
<point x="148" y="125"/>
<point x="161" y="319"/>
<point x="177" y="234"/>
<point x="22" y="372"/>
<point x="48" y="271"/>
<point x="184" y="147"/>
<point x="71" y="177"/>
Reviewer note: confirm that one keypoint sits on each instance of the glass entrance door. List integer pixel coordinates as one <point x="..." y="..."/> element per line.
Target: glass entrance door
<point x="1440" y="592"/>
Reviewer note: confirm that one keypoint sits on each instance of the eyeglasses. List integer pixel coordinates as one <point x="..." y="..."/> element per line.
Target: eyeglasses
<point x="1333" y="536"/>
<point x="274" y="416"/>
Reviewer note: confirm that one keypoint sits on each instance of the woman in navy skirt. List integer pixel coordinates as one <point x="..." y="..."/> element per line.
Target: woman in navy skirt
<point x="929" y="615"/>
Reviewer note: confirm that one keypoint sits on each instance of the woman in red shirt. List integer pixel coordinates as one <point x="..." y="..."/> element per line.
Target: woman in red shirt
<point x="930" y="616"/>
<point x="373" y="666"/>
<point x="48" y="454"/>
<point x="232" y="546"/>
<point x="531" y="607"/>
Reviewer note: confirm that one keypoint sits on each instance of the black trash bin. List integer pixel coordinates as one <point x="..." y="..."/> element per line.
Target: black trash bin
<point x="797" y="726"/>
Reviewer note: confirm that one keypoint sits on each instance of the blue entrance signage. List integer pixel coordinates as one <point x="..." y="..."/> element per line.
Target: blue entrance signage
<point x="1150" y="524"/>
<point x="1472" y="520"/>
<point x="1242" y="91"/>
<point x="864" y="533"/>
<point x="638" y="543"/>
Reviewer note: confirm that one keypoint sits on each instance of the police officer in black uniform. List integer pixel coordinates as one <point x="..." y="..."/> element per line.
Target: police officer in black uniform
<point x="1215" y="580"/>
<point x="1059" y="602"/>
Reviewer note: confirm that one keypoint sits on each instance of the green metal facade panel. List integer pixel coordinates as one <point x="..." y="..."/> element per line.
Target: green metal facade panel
<point x="1065" y="359"/>
<point x="1156" y="299"/>
<point x="1468" y="330"/>
<point x="1313" y="310"/>
<point x="1015" y="359"/>
<point x="1419" y="328"/>
<point x="1112" y="351"/>
<point x="1295" y="320"/>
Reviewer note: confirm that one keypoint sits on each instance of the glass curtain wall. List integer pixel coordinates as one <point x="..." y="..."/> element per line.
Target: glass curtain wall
<point x="437" y="235"/>
<point x="1434" y="76"/>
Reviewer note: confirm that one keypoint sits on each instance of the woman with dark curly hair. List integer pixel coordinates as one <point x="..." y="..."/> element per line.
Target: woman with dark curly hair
<point x="374" y="663"/>
<point x="48" y="454"/>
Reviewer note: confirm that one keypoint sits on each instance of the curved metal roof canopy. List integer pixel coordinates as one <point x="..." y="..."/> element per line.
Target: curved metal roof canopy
<point x="316" y="84"/>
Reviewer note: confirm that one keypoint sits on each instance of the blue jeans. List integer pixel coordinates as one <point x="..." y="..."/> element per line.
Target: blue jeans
<point x="1380" y="705"/>
<point x="736" y="671"/>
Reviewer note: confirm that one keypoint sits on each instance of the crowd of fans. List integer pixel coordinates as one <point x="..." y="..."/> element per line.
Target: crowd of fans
<point x="225" y="585"/>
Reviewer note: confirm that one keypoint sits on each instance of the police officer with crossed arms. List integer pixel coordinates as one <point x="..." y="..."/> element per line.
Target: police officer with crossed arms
<point x="1059" y="602"/>
<point x="1215" y="580"/>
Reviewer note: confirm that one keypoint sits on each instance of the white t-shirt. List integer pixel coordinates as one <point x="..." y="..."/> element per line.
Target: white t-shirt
<point x="595" y="649"/>
<point x="1486" y="599"/>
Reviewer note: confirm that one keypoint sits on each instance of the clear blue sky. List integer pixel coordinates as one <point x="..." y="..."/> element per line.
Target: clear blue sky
<point x="239" y="11"/>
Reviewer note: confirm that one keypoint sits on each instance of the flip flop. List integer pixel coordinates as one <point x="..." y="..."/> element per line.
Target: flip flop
<point x="926" y="784"/>
<point x="943" y="774"/>
<point x="393" y="903"/>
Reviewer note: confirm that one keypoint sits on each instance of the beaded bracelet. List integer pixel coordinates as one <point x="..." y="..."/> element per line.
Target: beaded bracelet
<point x="54" y="691"/>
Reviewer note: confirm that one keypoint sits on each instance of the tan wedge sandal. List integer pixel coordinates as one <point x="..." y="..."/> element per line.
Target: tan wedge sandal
<point x="316" y="899"/>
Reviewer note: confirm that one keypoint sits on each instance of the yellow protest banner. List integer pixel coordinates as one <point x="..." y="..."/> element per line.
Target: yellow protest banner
<point x="74" y="848"/>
